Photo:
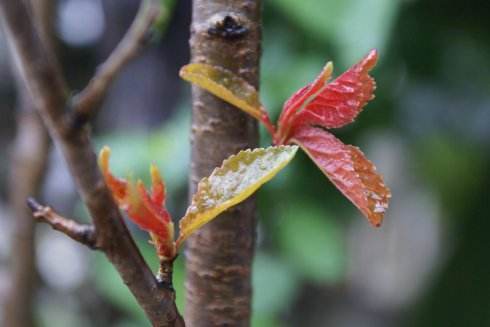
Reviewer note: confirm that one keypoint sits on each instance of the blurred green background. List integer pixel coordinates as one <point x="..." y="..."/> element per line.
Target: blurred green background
<point x="318" y="261"/>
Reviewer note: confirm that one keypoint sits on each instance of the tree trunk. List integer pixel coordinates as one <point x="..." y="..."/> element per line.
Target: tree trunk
<point x="219" y="256"/>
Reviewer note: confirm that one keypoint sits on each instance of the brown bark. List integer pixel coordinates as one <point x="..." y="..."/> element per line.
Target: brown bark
<point x="41" y="74"/>
<point x="219" y="256"/>
<point x="82" y="233"/>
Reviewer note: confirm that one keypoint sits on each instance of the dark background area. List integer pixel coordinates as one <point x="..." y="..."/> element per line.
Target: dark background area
<point x="318" y="263"/>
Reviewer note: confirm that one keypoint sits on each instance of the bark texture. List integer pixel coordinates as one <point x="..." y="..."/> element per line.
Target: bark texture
<point x="224" y="33"/>
<point x="42" y="75"/>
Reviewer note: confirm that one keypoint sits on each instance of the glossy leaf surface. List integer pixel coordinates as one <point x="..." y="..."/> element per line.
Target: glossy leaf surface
<point x="225" y="85"/>
<point x="298" y="99"/>
<point x="145" y="209"/>
<point x="348" y="169"/>
<point x="334" y="104"/>
<point x="238" y="178"/>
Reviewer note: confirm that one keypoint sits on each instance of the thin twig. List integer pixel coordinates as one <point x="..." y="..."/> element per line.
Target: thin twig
<point x="81" y="233"/>
<point x="41" y="74"/>
<point x="88" y="101"/>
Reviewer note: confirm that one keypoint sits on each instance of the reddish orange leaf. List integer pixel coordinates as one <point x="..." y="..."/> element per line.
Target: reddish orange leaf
<point x="144" y="209"/>
<point x="295" y="102"/>
<point x="157" y="186"/>
<point x="117" y="186"/>
<point x="330" y="105"/>
<point x="348" y="169"/>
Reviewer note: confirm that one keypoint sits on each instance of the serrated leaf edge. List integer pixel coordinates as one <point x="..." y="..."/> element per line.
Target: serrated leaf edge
<point x="211" y="214"/>
<point x="364" y="213"/>
<point x="200" y="80"/>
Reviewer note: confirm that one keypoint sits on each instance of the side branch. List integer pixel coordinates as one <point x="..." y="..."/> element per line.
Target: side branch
<point x="42" y="75"/>
<point x="81" y="233"/>
<point x="87" y="102"/>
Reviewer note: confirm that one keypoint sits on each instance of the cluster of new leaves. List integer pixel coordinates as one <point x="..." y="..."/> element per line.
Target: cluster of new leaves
<point x="304" y="121"/>
<point x="239" y="176"/>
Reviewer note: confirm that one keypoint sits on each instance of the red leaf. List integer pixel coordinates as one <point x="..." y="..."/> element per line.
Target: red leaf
<point x="330" y="105"/>
<point x="294" y="103"/>
<point x="144" y="209"/>
<point x="118" y="187"/>
<point x="348" y="169"/>
<point x="144" y="212"/>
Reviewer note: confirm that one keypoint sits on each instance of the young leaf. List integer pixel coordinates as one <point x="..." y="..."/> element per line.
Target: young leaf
<point x="317" y="105"/>
<point x="118" y="187"/>
<point x="239" y="176"/>
<point x="296" y="101"/>
<point x="229" y="87"/>
<point x="348" y="169"/>
<point x="144" y="209"/>
<point x="225" y="85"/>
<point x="330" y="105"/>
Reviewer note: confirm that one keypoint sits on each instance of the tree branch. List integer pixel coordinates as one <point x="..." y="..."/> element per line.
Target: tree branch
<point x="87" y="102"/>
<point x="41" y="74"/>
<point x="84" y="234"/>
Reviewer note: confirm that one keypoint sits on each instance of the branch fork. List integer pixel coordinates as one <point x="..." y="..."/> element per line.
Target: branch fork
<point x="42" y="75"/>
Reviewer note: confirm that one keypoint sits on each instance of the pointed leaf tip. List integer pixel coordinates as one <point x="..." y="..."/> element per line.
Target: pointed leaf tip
<point x="104" y="155"/>
<point x="370" y="60"/>
<point x="227" y="86"/>
<point x="118" y="187"/>
<point x="297" y="101"/>
<point x="147" y="210"/>
<point x="327" y="71"/>
<point x="330" y="105"/>
<point x="239" y="177"/>
<point x="348" y="169"/>
<point x="157" y="185"/>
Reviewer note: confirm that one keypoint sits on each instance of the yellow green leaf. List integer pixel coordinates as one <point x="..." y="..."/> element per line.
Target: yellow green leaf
<point x="225" y="85"/>
<point x="239" y="177"/>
